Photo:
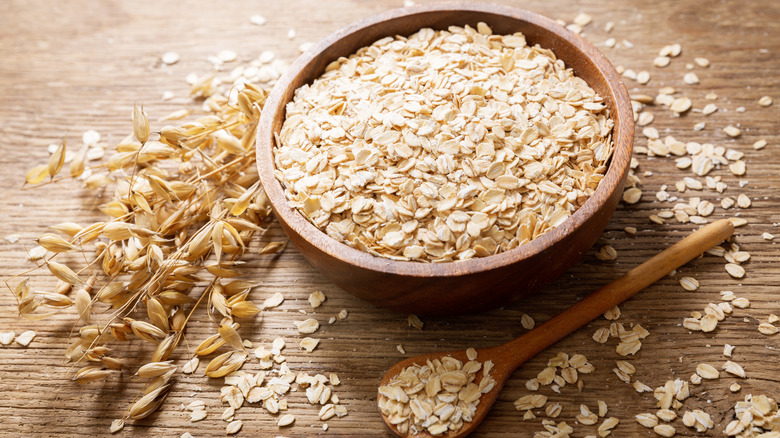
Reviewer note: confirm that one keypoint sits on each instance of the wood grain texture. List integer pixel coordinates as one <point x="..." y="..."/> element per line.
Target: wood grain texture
<point x="72" y="66"/>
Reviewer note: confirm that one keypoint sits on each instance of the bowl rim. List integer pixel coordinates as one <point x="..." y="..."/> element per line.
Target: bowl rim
<point x="293" y="220"/>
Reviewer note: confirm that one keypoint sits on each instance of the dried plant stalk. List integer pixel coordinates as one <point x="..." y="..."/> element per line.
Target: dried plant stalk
<point x="185" y="203"/>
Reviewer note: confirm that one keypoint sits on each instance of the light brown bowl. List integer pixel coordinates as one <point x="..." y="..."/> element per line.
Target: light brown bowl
<point x="463" y="286"/>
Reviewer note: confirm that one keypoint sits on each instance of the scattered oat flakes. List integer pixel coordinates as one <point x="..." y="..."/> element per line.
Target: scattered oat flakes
<point x="734" y="368"/>
<point x="308" y="326"/>
<point x="765" y="101"/>
<point x="680" y="105"/>
<point x="732" y="131"/>
<point x="667" y="415"/>
<point x="768" y="329"/>
<point x="612" y="314"/>
<point x="273" y="301"/>
<point x="690" y="78"/>
<point x="587" y="417"/>
<point x="760" y="144"/>
<point x="647" y="420"/>
<point x="708" y="323"/>
<point x="528" y="402"/>
<point x="400" y="349"/>
<point x="309" y="344"/>
<point x="190" y="366"/>
<point x="415" y="321"/>
<point x="601" y="335"/>
<point x="650" y="132"/>
<point x="36" y="253"/>
<point x="233" y="427"/>
<point x="12" y="238"/>
<point x="606" y="253"/>
<point x="605" y="428"/>
<point x="768" y="236"/>
<point x="707" y="371"/>
<point x="632" y="195"/>
<point x="25" y="338"/>
<point x="316" y="298"/>
<point x="645" y="119"/>
<point x="672" y="50"/>
<point x="527" y="322"/>
<point x="701" y="420"/>
<point x="689" y="283"/>
<point x="198" y="414"/>
<point x="553" y="410"/>
<point x="227" y="55"/>
<point x="738" y="221"/>
<point x="168" y="58"/>
<point x="709" y="109"/>
<point x="734" y="387"/>
<point x="662" y="61"/>
<point x="342" y="315"/>
<point x="641" y="387"/>
<point x="257" y="20"/>
<point x="582" y="19"/>
<point x="735" y="270"/>
<point x="7" y="337"/>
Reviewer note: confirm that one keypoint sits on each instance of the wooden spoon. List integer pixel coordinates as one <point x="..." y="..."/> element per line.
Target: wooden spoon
<point x="509" y="356"/>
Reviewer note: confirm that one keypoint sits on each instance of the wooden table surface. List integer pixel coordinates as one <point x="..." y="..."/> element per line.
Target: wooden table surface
<point x="73" y="66"/>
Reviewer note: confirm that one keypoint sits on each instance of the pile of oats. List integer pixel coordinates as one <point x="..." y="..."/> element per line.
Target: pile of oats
<point x="757" y="416"/>
<point x="437" y="397"/>
<point x="443" y="146"/>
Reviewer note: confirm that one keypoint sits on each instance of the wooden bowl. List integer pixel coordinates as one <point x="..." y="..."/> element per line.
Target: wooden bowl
<point x="463" y="286"/>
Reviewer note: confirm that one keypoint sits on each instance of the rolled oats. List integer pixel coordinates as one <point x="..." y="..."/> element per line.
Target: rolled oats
<point x="445" y="155"/>
<point x="439" y="396"/>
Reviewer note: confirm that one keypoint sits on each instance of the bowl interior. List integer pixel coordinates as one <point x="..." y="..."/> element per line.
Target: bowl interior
<point x="586" y="61"/>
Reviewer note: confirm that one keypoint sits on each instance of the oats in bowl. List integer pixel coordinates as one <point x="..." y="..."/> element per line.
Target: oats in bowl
<point x="444" y="145"/>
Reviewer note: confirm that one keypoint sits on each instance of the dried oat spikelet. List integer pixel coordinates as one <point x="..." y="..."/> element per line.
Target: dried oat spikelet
<point x="180" y="205"/>
<point x="140" y="124"/>
<point x="63" y="273"/>
<point x="55" y="243"/>
<point x="231" y="337"/>
<point x="37" y="174"/>
<point x="56" y="160"/>
<point x="155" y="369"/>
<point x="225" y="364"/>
<point x="149" y="403"/>
<point x="78" y="164"/>
<point x="91" y="373"/>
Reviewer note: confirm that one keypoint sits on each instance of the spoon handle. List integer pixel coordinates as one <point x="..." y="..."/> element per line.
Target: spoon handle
<point x="523" y="348"/>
